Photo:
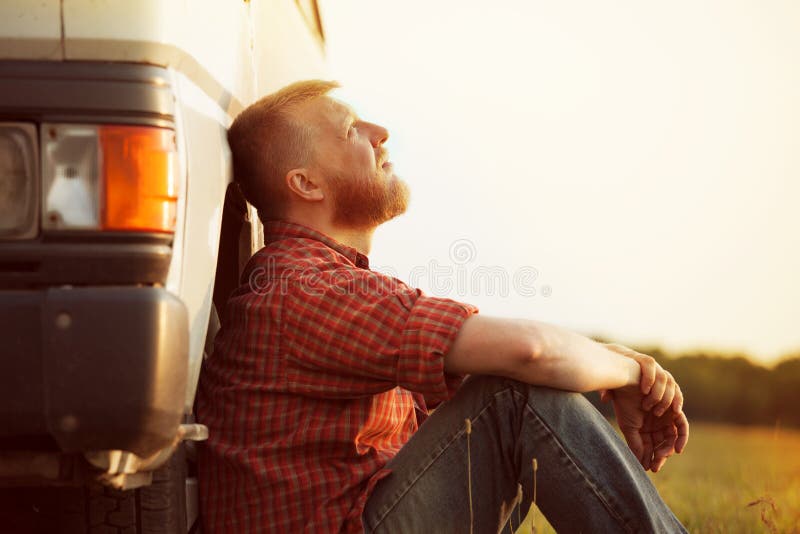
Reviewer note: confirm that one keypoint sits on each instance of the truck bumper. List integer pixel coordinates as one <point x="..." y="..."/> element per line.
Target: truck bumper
<point x="92" y="368"/>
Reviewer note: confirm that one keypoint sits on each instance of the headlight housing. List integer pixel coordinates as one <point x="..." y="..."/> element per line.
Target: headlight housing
<point x="19" y="180"/>
<point x="108" y="177"/>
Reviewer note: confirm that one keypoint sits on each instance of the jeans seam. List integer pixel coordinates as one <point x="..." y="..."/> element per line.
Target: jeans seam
<point x="586" y="479"/>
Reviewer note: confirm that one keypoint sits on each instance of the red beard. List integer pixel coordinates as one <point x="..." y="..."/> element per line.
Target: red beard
<point x="362" y="203"/>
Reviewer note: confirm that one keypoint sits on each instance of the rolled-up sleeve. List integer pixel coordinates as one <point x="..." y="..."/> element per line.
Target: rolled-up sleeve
<point x="429" y="332"/>
<point x="351" y="333"/>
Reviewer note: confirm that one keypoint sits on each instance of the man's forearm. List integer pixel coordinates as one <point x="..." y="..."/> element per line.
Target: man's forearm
<point x="538" y="353"/>
<point x="567" y="360"/>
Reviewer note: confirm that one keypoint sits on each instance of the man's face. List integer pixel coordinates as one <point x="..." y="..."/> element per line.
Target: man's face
<point x="349" y="154"/>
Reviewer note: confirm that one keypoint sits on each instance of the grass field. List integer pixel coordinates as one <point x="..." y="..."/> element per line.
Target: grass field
<point x="724" y="469"/>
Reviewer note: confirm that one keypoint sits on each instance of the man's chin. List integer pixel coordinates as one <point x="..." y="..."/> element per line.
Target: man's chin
<point x="397" y="213"/>
<point x="402" y="196"/>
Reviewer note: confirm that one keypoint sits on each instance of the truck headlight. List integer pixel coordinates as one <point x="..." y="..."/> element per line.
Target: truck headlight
<point x="18" y="181"/>
<point x="118" y="178"/>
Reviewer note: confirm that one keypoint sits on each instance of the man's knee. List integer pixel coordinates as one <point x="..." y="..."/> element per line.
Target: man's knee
<point x="540" y="396"/>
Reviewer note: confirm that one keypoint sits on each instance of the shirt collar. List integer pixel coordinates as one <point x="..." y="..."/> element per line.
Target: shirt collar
<point x="277" y="230"/>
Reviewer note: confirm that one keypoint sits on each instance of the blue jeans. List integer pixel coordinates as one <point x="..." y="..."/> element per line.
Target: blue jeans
<point x="587" y="479"/>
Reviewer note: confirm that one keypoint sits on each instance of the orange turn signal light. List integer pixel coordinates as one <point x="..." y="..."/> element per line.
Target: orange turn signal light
<point x="138" y="176"/>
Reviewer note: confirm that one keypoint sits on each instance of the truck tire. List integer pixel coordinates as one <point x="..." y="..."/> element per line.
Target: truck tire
<point x="159" y="508"/>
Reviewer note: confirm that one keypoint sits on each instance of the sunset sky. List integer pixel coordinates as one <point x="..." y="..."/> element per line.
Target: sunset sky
<point x="629" y="169"/>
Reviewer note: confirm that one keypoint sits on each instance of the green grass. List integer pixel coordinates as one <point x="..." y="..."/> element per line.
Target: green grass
<point x="724" y="469"/>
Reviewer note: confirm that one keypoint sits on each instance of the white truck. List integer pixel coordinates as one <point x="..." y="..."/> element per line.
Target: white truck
<point x="118" y="242"/>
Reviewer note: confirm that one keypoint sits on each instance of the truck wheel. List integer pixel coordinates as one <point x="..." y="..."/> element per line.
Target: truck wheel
<point x="159" y="508"/>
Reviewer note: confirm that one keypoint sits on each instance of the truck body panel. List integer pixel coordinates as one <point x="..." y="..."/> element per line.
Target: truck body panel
<point x="70" y="296"/>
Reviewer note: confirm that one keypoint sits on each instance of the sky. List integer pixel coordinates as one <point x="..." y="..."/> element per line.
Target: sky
<point x="626" y="169"/>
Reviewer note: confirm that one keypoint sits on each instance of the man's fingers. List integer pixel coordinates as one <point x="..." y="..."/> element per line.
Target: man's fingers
<point x="682" y="425"/>
<point x="647" y="454"/>
<point x="649" y="367"/>
<point x="666" y="400"/>
<point x="656" y="392"/>
<point x="634" y="440"/>
<point x="664" y="447"/>
<point x="657" y="465"/>
<point x="677" y="402"/>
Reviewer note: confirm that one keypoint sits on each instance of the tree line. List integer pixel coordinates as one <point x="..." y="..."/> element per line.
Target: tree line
<point x="731" y="388"/>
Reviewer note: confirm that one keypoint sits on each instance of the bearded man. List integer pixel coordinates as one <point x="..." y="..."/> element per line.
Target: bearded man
<point x="318" y="391"/>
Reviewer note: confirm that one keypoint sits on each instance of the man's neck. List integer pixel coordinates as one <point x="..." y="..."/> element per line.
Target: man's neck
<point x="361" y="240"/>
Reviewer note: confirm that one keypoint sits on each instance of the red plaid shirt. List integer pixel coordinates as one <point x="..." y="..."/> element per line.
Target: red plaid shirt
<point x="308" y="392"/>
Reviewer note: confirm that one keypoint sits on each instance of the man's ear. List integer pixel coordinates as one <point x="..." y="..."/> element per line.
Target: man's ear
<point x="300" y="183"/>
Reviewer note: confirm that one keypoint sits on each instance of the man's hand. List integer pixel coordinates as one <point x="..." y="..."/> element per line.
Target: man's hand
<point x="651" y="438"/>
<point x="651" y="416"/>
<point x="658" y="387"/>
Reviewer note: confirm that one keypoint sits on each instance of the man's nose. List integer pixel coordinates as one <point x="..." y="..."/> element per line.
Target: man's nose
<point x="378" y="134"/>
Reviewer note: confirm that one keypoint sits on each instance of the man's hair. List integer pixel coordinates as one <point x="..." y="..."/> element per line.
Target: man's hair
<point x="267" y="141"/>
